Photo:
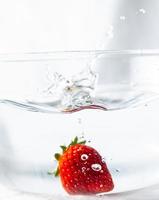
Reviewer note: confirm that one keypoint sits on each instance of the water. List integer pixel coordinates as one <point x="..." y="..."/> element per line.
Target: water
<point x="107" y="82"/>
<point x="117" y="95"/>
<point x="127" y="139"/>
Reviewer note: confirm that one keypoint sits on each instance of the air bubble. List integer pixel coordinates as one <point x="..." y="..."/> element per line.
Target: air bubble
<point x="142" y="10"/>
<point x="96" y="167"/>
<point x="123" y="18"/>
<point x="83" y="169"/>
<point x="84" y="157"/>
<point x="110" y="32"/>
<point x="79" y="120"/>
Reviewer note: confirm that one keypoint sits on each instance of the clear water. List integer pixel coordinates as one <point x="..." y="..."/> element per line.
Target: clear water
<point x="126" y="137"/>
<point x="100" y="81"/>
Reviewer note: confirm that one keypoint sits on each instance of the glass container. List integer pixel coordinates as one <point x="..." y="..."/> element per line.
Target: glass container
<point x="109" y="98"/>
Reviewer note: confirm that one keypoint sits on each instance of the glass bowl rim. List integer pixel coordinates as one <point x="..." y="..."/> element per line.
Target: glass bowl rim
<point x="51" y="55"/>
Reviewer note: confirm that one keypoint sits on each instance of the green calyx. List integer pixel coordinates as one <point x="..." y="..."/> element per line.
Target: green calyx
<point x="55" y="173"/>
<point x="76" y="141"/>
<point x="57" y="156"/>
<point x="64" y="148"/>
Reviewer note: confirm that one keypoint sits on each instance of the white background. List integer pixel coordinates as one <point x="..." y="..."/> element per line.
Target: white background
<point x="47" y="25"/>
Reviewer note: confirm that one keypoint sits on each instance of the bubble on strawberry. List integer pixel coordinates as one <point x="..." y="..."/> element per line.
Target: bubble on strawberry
<point x="84" y="157"/>
<point x="96" y="167"/>
<point x="83" y="169"/>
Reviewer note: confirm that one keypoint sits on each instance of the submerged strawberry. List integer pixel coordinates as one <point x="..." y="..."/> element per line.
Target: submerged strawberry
<point x="82" y="170"/>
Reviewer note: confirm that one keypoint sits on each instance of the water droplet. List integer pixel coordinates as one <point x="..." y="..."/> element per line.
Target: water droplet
<point x="96" y="167"/>
<point x="103" y="160"/>
<point x="79" y="120"/>
<point x="142" y="11"/>
<point x="123" y="18"/>
<point x="101" y="185"/>
<point x="110" y="32"/>
<point x="84" y="157"/>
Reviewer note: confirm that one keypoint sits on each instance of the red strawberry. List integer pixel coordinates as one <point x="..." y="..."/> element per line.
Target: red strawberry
<point x="82" y="170"/>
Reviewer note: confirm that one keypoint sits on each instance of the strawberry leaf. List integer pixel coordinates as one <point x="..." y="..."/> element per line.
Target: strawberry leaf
<point x="76" y="140"/>
<point x="82" y="142"/>
<point x="57" y="156"/>
<point x="56" y="173"/>
<point x="63" y="148"/>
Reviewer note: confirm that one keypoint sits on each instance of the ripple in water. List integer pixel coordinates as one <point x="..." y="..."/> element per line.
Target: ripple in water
<point x="85" y="90"/>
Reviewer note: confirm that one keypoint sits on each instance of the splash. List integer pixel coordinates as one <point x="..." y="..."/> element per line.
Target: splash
<point x="76" y="92"/>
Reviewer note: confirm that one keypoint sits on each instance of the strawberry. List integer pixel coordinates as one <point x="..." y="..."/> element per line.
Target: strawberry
<point x="82" y="170"/>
